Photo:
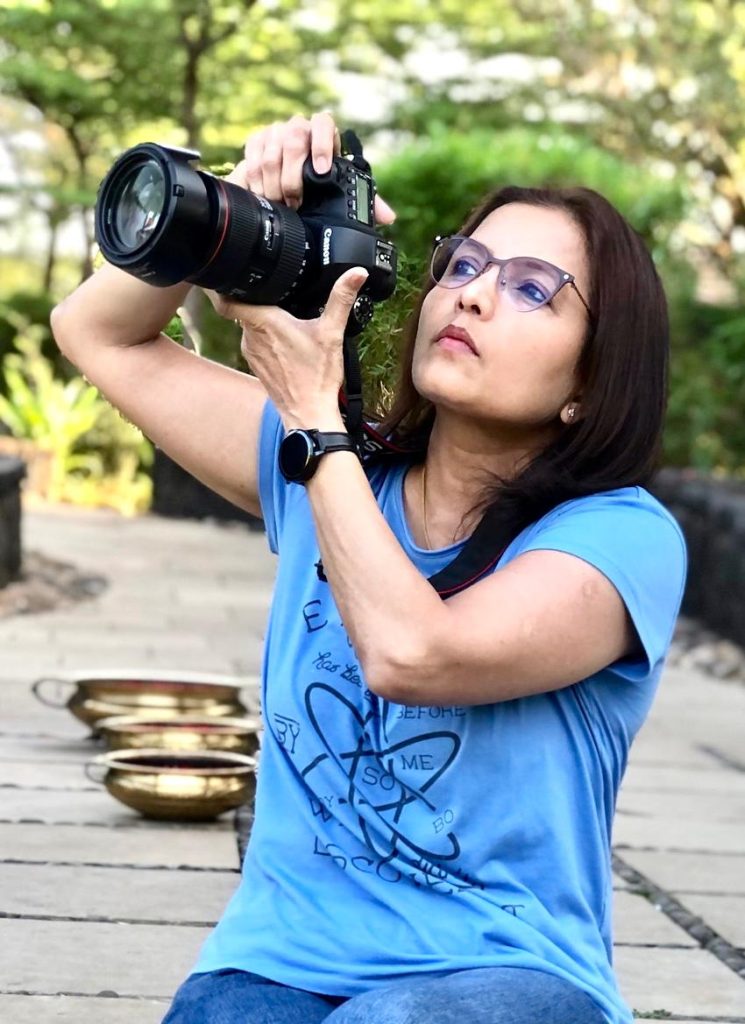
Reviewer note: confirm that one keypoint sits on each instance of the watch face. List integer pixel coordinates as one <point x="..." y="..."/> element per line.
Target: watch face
<point x="296" y="455"/>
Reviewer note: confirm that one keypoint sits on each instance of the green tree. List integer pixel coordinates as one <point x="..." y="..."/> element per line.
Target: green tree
<point x="199" y="72"/>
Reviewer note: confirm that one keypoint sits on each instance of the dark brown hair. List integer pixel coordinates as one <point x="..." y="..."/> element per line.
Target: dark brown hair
<point x="622" y="369"/>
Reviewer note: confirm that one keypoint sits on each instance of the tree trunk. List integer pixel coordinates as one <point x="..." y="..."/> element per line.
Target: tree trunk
<point x="51" y="253"/>
<point x="189" y="104"/>
<point x="86" y="264"/>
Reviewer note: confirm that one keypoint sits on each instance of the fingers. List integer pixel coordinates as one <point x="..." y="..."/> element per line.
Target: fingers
<point x="384" y="214"/>
<point x="274" y="157"/>
<point x="296" y="149"/>
<point x="253" y="153"/>
<point x="225" y="307"/>
<point x="271" y="162"/>
<point x="325" y="141"/>
<point x="342" y="298"/>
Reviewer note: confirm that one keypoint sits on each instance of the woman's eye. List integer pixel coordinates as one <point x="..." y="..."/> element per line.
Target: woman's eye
<point x="463" y="267"/>
<point x="533" y="292"/>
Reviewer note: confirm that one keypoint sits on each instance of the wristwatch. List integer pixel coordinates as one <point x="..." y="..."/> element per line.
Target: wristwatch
<point x="301" y="450"/>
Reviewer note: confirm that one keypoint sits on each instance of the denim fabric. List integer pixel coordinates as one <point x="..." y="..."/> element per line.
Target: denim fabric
<point x="490" y="995"/>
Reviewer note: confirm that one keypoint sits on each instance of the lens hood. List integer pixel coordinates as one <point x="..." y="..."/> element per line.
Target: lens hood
<point x="154" y="217"/>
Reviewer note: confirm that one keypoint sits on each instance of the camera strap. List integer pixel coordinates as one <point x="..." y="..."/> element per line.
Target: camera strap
<point x="482" y="550"/>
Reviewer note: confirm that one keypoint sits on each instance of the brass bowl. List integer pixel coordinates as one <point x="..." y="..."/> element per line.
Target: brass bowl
<point x="181" y="732"/>
<point x="176" y="785"/>
<point x="100" y="694"/>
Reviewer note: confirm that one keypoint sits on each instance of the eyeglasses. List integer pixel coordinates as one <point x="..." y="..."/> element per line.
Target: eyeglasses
<point x="528" y="282"/>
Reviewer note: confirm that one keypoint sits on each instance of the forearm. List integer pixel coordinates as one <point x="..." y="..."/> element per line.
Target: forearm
<point x="111" y="307"/>
<point x="388" y="608"/>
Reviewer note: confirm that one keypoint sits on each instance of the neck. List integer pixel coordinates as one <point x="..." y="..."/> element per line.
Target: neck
<point x="463" y="458"/>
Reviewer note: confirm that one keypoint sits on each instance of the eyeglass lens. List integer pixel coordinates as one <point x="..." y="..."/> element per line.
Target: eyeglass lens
<point x="528" y="282"/>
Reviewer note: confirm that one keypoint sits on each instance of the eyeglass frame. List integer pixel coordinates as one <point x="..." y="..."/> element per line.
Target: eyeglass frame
<point x="493" y="261"/>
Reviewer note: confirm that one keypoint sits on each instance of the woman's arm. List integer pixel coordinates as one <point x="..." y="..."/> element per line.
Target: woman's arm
<point x="546" y="620"/>
<point x="204" y="415"/>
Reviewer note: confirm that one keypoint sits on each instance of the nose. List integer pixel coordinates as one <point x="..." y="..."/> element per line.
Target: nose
<point x="481" y="295"/>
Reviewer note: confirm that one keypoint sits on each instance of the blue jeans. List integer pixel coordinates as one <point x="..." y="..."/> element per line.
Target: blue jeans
<point x="489" y="995"/>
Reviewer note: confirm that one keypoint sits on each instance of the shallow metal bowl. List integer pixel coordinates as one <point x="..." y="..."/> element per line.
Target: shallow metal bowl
<point x="93" y="695"/>
<point x="181" y="732"/>
<point x="176" y="785"/>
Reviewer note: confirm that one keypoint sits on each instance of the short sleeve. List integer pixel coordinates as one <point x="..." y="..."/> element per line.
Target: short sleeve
<point x="635" y="542"/>
<point x="272" y="485"/>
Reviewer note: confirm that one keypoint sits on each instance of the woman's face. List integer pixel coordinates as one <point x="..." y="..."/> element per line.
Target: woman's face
<point x="523" y="370"/>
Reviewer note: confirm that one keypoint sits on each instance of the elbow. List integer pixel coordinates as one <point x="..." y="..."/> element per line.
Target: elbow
<point x="57" y="321"/>
<point x="399" y="675"/>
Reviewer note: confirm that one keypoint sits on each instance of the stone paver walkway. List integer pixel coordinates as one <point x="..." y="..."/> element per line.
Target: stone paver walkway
<point x="102" y="912"/>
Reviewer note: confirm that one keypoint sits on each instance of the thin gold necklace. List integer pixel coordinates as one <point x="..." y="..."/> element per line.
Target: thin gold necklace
<point x="424" y="505"/>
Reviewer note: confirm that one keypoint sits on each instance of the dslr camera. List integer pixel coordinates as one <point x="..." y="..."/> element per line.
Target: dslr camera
<point x="164" y="221"/>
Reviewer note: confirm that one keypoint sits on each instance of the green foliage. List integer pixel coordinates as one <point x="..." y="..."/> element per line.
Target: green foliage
<point x="90" y="445"/>
<point x="380" y="344"/>
<point x="706" y="427"/>
<point x="434" y="182"/>
<point x="34" y="308"/>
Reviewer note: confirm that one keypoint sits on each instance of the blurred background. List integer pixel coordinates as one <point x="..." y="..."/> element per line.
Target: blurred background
<point x="640" y="99"/>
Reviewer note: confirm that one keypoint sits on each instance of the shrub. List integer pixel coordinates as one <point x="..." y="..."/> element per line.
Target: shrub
<point x="90" y="452"/>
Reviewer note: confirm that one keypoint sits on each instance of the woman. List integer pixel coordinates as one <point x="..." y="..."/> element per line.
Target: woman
<point x="438" y="778"/>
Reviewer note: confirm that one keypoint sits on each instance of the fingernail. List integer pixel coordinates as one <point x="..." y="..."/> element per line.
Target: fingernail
<point x="386" y="208"/>
<point x="321" y="164"/>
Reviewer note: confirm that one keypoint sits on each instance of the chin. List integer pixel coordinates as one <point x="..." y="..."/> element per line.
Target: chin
<point x="442" y="385"/>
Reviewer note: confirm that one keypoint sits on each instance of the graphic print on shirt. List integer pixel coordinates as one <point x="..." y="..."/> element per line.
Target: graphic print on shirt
<point x="355" y="753"/>
<point x="371" y="772"/>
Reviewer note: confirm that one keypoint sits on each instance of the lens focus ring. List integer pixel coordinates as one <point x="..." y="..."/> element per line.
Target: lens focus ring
<point x="243" y="254"/>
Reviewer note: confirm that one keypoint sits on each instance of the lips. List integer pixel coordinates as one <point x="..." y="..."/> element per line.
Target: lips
<point x="459" y="334"/>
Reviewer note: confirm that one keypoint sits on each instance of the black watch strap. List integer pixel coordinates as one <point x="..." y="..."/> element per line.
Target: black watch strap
<point x="301" y="450"/>
<point x="332" y="441"/>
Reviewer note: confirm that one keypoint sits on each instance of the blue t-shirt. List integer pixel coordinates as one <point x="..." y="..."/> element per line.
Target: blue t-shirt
<point x="390" y="840"/>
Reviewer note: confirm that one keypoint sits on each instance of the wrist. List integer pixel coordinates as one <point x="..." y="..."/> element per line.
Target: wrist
<point x="325" y="419"/>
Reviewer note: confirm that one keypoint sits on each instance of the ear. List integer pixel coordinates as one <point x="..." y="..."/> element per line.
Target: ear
<point x="570" y="413"/>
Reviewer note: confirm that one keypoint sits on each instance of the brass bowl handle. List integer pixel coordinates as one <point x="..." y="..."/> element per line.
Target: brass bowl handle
<point x="97" y="777"/>
<point x="36" y="688"/>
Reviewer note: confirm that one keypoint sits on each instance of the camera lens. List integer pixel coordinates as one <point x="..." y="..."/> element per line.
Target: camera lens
<point x="139" y="204"/>
<point x="164" y="221"/>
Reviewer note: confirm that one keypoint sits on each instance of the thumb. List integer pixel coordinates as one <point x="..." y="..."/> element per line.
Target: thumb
<point x="342" y="298"/>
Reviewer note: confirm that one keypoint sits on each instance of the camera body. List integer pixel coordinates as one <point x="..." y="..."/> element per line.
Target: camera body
<point x="161" y="219"/>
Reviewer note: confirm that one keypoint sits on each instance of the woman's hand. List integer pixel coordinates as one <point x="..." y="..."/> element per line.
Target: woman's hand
<point x="273" y="160"/>
<point x="299" y="362"/>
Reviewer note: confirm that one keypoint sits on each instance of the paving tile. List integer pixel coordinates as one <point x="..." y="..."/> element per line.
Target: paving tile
<point x="153" y="846"/>
<point x="695" y="807"/>
<point x="725" y="914"/>
<point x="637" y="921"/>
<point x="79" y="1010"/>
<point x="73" y="808"/>
<point x="191" y="897"/>
<point x="690" y="872"/>
<point x="134" y="637"/>
<point x="88" y="957"/>
<point x="49" y="748"/>
<point x="670" y="833"/>
<point x="663" y="780"/>
<point x="43" y="775"/>
<point x="684" y="982"/>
